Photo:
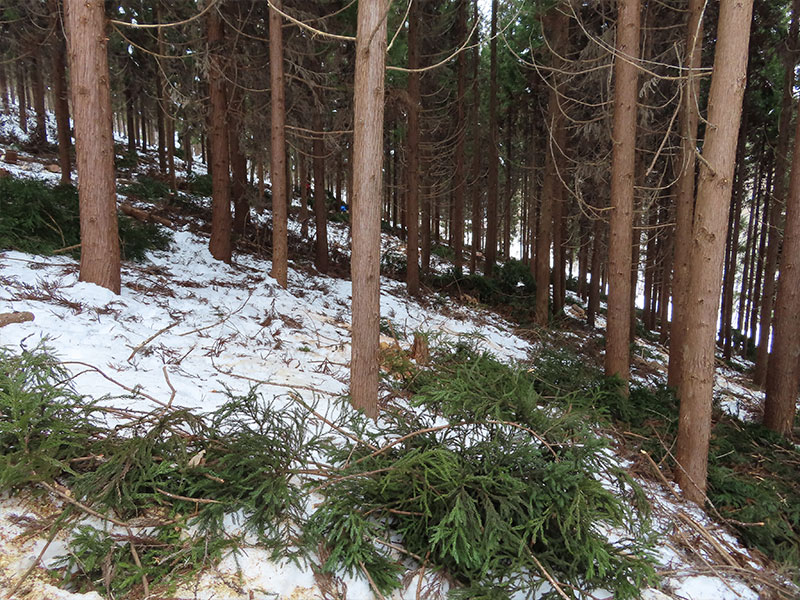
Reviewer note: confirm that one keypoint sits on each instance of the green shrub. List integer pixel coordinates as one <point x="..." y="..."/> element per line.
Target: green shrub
<point x="137" y="238"/>
<point x="40" y="219"/>
<point x="394" y="263"/>
<point x="36" y="217"/>
<point x="443" y="252"/>
<point x="199" y="184"/>
<point x="147" y="188"/>
<point x="125" y="160"/>
<point x="512" y="286"/>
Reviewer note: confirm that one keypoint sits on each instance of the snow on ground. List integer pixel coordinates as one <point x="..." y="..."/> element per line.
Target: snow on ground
<point x="188" y="323"/>
<point x="186" y="328"/>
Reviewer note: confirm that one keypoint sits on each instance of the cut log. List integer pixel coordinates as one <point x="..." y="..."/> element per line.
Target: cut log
<point x="15" y="317"/>
<point x="143" y="215"/>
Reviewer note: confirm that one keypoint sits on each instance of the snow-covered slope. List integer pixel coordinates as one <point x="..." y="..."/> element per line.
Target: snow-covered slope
<point x="186" y="328"/>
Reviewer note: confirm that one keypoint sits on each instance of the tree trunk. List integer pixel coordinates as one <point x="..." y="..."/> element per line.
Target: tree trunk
<point x="304" y="185"/>
<point x="556" y="22"/>
<point x="509" y="191"/>
<point x="130" y="122"/>
<point x="39" y="134"/>
<point x="684" y="202"/>
<point x="160" y="128"/>
<point x="60" y="93"/>
<point x="779" y="193"/>
<point x="366" y="208"/>
<point x="759" y="269"/>
<point x="4" y="89"/>
<point x="623" y="168"/>
<point x="280" y="240"/>
<point x="597" y="266"/>
<point x="461" y="126"/>
<point x="91" y="101"/>
<point x="425" y="229"/>
<point x="726" y="333"/>
<point x="741" y="320"/>
<point x="188" y="151"/>
<point x="142" y="122"/>
<point x="708" y="245"/>
<point x="477" y="213"/>
<point x="220" y="242"/>
<point x="784" y="361"/>
<point x="491" y="191"/>
<point x="238" y="161"/>
<point x="412" y="150"/>
<point x="320" y="203"/>
<point x="21" y="102"/>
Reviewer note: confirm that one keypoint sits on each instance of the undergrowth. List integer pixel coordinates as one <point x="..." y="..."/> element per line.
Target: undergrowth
<point x="753" y="476"/>
<point x="147" y="188"/>
<point x="501" y="495"/>
<point x="40" y="219"/>
<point x="512" y="288"/>
<point x="190" y="476"/>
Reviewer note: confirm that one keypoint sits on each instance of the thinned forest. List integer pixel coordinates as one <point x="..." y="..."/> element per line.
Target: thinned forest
<point x="416" y="299"/>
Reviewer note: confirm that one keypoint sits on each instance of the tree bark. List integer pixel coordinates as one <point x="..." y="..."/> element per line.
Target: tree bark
<point x="320" y="199"/>
<point x="238" y="161"/>
<point x="220" y="242"/>
<point x="60" y="93"/>
<point x="759" y="268"/>
<point x="91" y="99"/>
<point x="460" y="184"/>
<point x="784" y="361"/>
<point x="779" y="193"/>
<point x="623" y="169"/>
<point x="477" y="213"/>
<point x="708" y="245"/>
<point x="726" y="331"/>
<point x="21" y="102"/>
<point x="304" y="185"/>
<point x="593" y="304"/>
<point x="4" y="90"/>
<point x="741" y="321"/>
<point x="280" y="239"/>
<point x="684" y="201"/>
<point x="556" y="22"/>
<point x="412" y="150"/>
<point x="39" y="134"/>
<point x="366" y="208"/>
<point x="491" y="191"/>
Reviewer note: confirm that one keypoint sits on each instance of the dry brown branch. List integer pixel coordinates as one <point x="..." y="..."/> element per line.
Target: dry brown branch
<point x="151" y="338"/>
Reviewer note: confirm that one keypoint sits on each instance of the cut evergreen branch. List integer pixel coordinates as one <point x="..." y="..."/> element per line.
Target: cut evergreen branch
<point x="507" y="486"/>
<point x="753" y="479"/>
<point x="188" y="475"/>
<point x="40" y="219"/>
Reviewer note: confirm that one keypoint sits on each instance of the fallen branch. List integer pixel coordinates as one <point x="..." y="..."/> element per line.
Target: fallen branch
<point x="134" y="391"/>
<point x="151" y="338"/>
<point x="143" y="215"/>
<point x="187" y="498"/>
<point x="550" y="578"/>
<point x="67" y="249"/>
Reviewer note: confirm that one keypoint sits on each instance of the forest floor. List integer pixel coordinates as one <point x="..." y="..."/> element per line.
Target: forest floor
<point x="188" y="331"/>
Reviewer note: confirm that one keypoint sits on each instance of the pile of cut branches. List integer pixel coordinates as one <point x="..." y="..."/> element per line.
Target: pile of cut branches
<point x="162" y="483"/>
<point x="489" y="484"/>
